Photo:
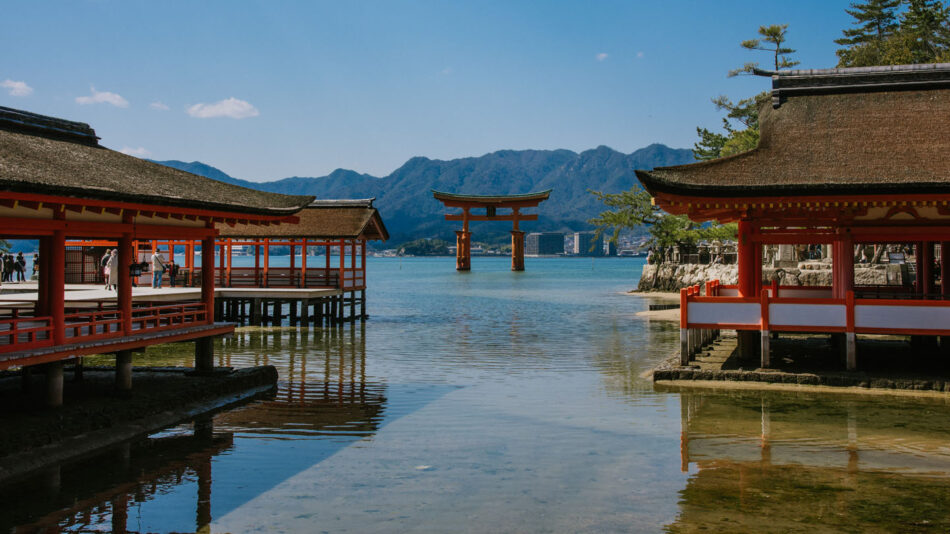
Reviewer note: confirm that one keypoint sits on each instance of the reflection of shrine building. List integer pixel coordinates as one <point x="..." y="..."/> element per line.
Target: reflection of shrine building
<point x="801" y="462"/>
<point x="323" y="404"/>
<point x="98" y="493"/>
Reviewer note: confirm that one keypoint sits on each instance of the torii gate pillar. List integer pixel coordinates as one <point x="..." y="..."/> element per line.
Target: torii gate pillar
<point x="517" y="250"/>
<point x="463" y="250"/>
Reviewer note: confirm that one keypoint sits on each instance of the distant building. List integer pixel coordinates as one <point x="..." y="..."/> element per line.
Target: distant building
<point x="610" y="248"/>
<point x="585" y="245"/>
<point x="544" y="244"/>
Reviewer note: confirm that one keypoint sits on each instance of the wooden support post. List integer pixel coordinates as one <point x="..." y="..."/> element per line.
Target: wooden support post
<point x="207" y="275"/>
<point x="266" y="281"/>
<point x="363" y="304"/>
<point x="919" y="264"/>
<point x="123" y="370"/>
<point x="54" y="384"/>
<point x="204" y="355"/>
<point x="305" y="312"/>
<point x="293" y="257"/>
<point x="927" y="267"/>
<point x="57" y="288"/>
<point x="684" y="330"/>
<point x="745" y="260"/>
<point x="764" y="333"/>
<point x="293" y="311"/>
<point x="850" y="344"/>
<point x="303" y="264"/>
<point x="125" y="282"/>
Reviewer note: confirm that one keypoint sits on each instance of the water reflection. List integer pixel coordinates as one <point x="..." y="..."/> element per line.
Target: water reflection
<point x="809" y="462"/>
<point x="99" y="493"/>
<point x="323" y="403"/>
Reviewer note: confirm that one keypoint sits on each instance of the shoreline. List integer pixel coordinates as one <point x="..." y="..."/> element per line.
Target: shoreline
<point x="102" y="419"/>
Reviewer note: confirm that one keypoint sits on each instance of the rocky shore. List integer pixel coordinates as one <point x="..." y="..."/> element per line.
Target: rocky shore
<point x="673" y="276"/>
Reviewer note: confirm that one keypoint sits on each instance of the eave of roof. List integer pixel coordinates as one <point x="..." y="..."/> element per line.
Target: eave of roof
<point x="492" y="199"/>
<point x="50" y="156"/>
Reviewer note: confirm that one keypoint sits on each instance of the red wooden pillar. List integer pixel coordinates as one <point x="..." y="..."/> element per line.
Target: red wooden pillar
<point x="342" y="263"/>
<point x="363" y="262"/>
<point x="207" y="275"/>
<point x="42" y="299"/>
<point x="842" y="265"/>
<point x="125" y="282"/>
<point x="745" y="261"/>
<point x="353" y="260"/>
<point x="944" y="268"/>
<point x="326" y="272"/>
<point x="257" y="264"/>
<point x="56" y="290"/>
<point x="266" y="281"/>
<point x="303" y="264"/>
<point x="293" y="254"/>
<point x="927" y="267"/>
<point x="919" y="264"/>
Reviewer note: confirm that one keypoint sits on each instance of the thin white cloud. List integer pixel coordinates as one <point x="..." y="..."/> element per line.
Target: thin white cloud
<point x="232" y="108"/>
<point x="639" y="54"/>
<point x="16" y="88"/>
<point x="601" y="56"/>
<point x="159" y="106"/>
<point x="140" y="152"/>
<point x="102" y="97"/>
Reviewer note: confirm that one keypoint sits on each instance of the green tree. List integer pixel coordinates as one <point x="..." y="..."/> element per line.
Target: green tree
<point x="896" y="32"/>
<point x="634" y="209"/>
<point x="741" y="123"/>
<point x="876" y="22"/>
<point x="771" y="39"/>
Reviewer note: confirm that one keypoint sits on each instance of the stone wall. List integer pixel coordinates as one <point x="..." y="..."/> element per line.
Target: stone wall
<point x="673" y="277"/>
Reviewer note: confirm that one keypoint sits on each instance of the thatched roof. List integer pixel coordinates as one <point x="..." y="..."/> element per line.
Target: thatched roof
<point x="46" y="155"/>
<point x="835" y="131"/>
<point x="322" y="219"/>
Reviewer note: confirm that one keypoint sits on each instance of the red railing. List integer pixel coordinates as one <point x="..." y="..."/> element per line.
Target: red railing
<point x="167" y="316"/>
<point x="89" y="325"/>
<point x="25" y="333"/>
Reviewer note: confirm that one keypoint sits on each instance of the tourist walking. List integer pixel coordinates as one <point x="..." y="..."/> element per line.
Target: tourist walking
<point x="158" y="270"/>
<point x="112" y="267"/>
<point x="104" y="265"/>
<point x="20" y="267"/>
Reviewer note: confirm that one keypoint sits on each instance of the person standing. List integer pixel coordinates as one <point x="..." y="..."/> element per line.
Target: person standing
<point x="112" y="267"/>
<point x="172" y="273"/>
<point x="20" y="267"/>
<point x="104" y="265"/>
<point x="158" y="270"/>
<point x="36" y="267"/>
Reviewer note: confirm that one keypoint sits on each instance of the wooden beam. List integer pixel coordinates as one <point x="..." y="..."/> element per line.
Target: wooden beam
<point x="453" y="217"/>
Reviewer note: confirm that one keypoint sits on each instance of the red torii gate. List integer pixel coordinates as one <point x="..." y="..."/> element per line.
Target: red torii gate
<point x="491" y="203"/>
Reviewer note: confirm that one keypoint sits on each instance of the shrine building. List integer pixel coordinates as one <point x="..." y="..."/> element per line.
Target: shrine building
<point x="846" y="157"/>
<point x="58" y="183"/>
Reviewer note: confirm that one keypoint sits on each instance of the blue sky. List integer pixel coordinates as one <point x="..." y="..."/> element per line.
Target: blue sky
<point x="266" y="90"/>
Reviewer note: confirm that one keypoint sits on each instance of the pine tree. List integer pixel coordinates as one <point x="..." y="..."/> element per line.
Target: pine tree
<point x="773" y="35"/>
<point x="876" y="22"/>
<point x="925" y="27"/>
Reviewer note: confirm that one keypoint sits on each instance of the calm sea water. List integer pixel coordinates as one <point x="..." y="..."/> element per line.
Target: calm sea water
<point x="494" y="401"/>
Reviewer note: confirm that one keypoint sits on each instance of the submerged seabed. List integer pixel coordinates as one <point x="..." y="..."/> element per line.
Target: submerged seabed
<point x="495" y="401"/>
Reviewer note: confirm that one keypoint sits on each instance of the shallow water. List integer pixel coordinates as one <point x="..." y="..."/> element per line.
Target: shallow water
<point x="494" y="401"/>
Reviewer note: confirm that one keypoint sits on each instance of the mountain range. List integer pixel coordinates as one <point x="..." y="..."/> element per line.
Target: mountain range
<point x="405" y="200"/>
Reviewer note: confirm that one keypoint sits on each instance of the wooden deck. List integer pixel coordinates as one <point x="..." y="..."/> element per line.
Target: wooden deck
<point x="83" y="295"/>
